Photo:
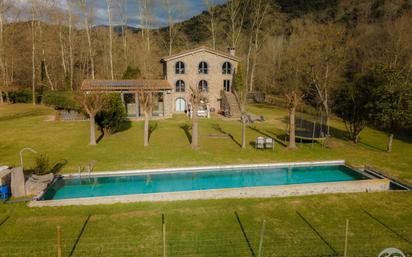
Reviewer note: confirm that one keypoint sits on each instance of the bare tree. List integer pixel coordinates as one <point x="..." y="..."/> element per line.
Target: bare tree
<point x="34" y="17"/>
<point x="146" y="22"/>
<point x="109" y="13"/>
<point x="197" y="98"/>
<point x="92" y="104"/>
<point x="240" y="91"/>
<point x="84" y="8"/>
<point x="323" y="62"/>
<point x="3" y="8"/>
<point x="71" y="42"/>
<point x="124" y="17"/>
<point x="258" y="17"/>
<point x="212" y="23"/>
<point x="236" y="10"/>
<point x="146" y="101"/>
<point x="45" y="6"/>
<point x="175" y="10"/>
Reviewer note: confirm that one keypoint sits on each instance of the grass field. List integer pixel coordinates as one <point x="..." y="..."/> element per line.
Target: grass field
<point x="26" y="126"/>
<point x="294" y="226"/>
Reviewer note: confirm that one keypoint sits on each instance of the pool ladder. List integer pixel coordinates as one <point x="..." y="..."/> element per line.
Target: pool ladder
<point x="89" y="167"/>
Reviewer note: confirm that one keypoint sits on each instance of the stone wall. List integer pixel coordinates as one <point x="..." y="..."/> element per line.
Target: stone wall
<point x="214" y="78"/>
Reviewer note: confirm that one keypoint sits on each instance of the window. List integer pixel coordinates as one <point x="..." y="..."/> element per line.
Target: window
<point x="203" y="86"/>
<point x="203" y="68"/>
<point x="227" y="68"/>
<point x="180" y="68"/>
<point x="226" y="85"/>
<point x="180" y="86"/>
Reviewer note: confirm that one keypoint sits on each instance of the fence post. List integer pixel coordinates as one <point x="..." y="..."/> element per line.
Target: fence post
<point x="59" y="241"/>
<point x="164" y="234"/>
<point x="262" y="233"/>
<point x="346" y="238"/>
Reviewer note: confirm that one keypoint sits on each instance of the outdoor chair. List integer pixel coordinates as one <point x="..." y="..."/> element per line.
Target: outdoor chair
<point x="260" y="143"/>
<point x="270" y="143"/>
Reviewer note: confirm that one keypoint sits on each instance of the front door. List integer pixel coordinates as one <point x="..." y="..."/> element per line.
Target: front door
<point x="180" y="105"/>
<point x="226" y="85"/>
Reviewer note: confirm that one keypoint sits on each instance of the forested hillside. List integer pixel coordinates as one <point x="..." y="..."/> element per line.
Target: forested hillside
<point x="298" y="49"/>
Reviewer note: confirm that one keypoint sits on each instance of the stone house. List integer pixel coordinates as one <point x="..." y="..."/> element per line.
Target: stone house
<point x="207" y="69"/>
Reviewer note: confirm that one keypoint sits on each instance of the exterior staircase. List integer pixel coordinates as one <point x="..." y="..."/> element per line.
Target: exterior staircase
<point x="230" y="105"/>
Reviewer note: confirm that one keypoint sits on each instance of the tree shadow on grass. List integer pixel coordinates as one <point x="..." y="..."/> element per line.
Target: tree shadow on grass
<point x="270" y="134"/>
<point x="218" y="128"/>
<point x="152" y="128"/>
<point x="124" y="125"/>
<point x="186" y="128"/>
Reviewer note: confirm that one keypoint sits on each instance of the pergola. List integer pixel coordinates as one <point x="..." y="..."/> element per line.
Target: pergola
<point x="128" y="90"/>
<point x="107" y="86"/>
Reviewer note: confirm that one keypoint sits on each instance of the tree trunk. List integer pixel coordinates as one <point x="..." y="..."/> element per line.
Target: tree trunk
<point x="243" y="132"/>
<point x="390" y="142"/>
<point x="92" y="130"/>
<point x="109" y="12"/>
<point x="146" y="128"/>
<point x="356" y="138"/>
<point x="292" y="136"/>
<point x="33" y="56"/>
<point x="195" y="128"/>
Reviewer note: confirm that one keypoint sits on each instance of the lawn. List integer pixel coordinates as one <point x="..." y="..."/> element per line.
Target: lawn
<point x="27" y="126"/>
<point x="295" y="226"/>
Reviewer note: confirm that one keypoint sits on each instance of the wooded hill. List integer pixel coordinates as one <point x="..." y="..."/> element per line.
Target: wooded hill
<point x="284" y="44"/>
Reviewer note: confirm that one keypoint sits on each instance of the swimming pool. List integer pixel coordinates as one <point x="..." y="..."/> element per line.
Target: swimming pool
<point x="200" y="182"/>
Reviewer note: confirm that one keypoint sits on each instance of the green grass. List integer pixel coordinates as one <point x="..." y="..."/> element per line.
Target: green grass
<point x="26" y="126"/>
<point x="296" y="226"/>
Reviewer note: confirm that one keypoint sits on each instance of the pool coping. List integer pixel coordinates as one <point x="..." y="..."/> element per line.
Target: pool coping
<point x="201" y="168"/>
<point x="372" y="184"/>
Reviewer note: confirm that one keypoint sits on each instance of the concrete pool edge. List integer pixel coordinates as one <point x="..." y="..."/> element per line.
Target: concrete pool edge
<point x="371" y="185"/>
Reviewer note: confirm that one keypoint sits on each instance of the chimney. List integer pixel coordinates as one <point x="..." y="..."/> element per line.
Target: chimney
<point x="232" y="51"/>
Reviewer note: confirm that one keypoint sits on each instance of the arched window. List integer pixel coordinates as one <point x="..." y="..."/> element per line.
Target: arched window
<point x="180" y="68"/>
<point x="203" y="86"/>
<point x="180" y="86"/>
<point x="203" y="68"/>
<point x="227" y="68"/>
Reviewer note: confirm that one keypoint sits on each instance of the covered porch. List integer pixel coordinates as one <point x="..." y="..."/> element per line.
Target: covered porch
<point x="128" y="90"/>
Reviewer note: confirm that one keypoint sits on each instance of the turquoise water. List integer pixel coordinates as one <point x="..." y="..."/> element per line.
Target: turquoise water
<point x="192" y="180"/>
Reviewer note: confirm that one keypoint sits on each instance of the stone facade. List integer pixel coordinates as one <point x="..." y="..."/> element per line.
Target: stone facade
<point x="191" y="76"/>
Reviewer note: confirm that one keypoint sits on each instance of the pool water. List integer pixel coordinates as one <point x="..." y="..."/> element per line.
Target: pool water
<point x="197" y="180"/>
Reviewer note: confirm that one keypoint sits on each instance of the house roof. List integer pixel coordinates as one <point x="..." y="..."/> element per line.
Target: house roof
<point x="123" y="85"/>
<point x="198" y="50"/>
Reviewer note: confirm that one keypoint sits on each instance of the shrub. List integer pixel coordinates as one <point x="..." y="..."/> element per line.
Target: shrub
<point x="112" y="119"/>
<point x="131" y="73"/>
<point x="61" y="100"/>
<point x="43" y="165"/>
<point x="21" y="96"/>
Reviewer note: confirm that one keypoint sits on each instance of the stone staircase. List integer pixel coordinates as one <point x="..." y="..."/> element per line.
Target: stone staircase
<point x="230" y="105"/>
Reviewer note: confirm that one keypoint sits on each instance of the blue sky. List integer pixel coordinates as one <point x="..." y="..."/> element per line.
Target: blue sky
<point x="191" y="8"/>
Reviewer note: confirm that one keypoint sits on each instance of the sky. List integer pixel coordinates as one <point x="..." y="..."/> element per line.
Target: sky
<point x="190" y="8"/>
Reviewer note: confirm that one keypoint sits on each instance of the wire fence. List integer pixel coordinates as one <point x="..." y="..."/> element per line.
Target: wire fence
<point x="259" y="238"/>
<point x="212" y="244"/>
